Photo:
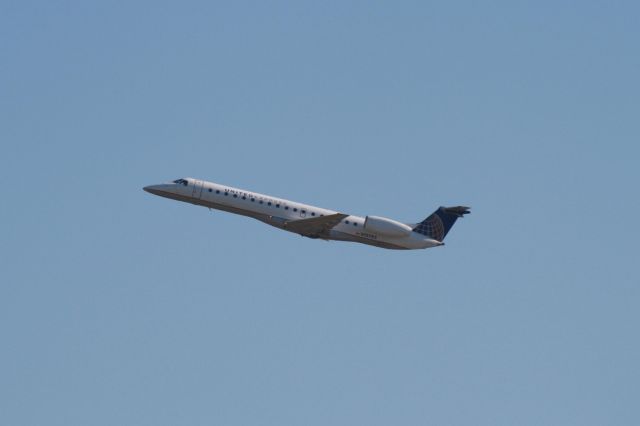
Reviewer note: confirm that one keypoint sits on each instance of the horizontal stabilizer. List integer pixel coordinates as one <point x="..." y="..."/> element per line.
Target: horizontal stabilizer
<point x="459" y="211"/>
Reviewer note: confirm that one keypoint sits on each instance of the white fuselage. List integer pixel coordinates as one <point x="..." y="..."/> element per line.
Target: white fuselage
<point x="278" y="211"/>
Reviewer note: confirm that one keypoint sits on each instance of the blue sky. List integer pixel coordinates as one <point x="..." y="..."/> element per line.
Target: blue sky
<point x="117" y="307"/>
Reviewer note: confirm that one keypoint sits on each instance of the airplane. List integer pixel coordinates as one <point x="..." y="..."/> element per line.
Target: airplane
<point x="314" y="222"/>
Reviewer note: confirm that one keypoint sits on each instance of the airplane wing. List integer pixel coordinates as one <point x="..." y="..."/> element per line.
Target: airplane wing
<point x="314" y="226"/>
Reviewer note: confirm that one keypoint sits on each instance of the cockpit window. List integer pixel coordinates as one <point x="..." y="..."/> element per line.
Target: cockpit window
<point x="181" y="182"/>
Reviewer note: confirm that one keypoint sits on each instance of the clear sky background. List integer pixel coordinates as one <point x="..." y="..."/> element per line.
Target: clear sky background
<point x="119" y="307"/>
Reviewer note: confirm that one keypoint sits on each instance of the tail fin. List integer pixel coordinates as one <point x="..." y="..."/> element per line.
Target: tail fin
<point x="440" y="222"/>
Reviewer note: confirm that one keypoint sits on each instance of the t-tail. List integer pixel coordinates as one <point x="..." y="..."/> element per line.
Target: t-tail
<point x="437" y="225"/>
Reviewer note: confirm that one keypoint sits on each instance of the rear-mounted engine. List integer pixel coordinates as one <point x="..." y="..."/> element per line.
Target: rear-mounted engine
<point x="384" y="226"/>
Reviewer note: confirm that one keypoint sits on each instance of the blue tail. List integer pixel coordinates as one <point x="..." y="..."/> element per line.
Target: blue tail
<point x="440" y="222"/>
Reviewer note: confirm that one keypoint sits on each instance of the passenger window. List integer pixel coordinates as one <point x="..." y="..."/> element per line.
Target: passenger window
<point x="346" y="221"/>
<point x="313" y="213"/>
<point x="277" y="206"/>
<point x="217" y="191"/>
<point x="244" y="197"/>
<point x="269" y="203"/>
<point x="253" y="199"/>
<point x="286" y="207"/>
<point x="226" y="193"/>
<point x="295" y="209"/>
<point x="260" y="201"/>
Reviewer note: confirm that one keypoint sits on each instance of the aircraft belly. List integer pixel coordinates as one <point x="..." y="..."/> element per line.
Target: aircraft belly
<point x="343" y="236"/>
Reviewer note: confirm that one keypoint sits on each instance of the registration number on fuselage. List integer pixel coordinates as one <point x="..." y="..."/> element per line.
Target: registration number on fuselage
<point x="367" y="235"/>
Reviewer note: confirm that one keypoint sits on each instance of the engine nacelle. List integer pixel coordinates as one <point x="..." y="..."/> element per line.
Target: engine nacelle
<point x="388" y="227"/>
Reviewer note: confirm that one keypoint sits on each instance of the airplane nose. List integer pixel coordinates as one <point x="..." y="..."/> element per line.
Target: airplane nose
<point x="152" y="189"/>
